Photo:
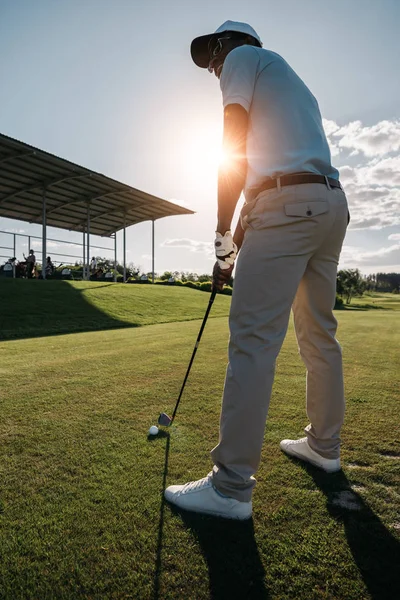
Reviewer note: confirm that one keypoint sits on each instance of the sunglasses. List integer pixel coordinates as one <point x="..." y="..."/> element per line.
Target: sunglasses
<point x="217" y="49"/>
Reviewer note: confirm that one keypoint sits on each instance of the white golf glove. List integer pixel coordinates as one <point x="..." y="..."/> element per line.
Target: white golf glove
<point x="225" y="250"/>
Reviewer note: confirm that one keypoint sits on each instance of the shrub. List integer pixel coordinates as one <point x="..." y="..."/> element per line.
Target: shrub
<point x="339" y="302"/>
<point x="227" y="290"/>
<point x="205" y="286"/>
<point x="191" y="284"/>
<point x="132" y="280"/>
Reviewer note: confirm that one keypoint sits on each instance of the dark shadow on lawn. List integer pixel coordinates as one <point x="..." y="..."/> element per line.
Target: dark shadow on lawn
<point x="38" y="308"/>
<point x="158" y="567"/>
<point x="375" y="550"/>
<point x="364" y="307"/>
<point x="229" y="548"/>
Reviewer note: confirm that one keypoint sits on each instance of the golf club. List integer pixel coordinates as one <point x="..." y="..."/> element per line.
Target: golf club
<point x="164" y="419"/>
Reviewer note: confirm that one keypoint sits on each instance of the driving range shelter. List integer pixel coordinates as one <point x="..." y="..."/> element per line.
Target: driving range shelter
<point x="39" y="187"/>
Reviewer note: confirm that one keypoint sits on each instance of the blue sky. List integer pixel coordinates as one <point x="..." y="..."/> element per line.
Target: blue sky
<point x="111" y="86"/>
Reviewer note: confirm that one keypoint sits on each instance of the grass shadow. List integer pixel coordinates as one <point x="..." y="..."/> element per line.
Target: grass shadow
<point x="364" y="307"/>
<point x="38" y="308"/>
<point x="158" y="565"/>
<point x="375" y="550"/>
<point x="230" y="550"/>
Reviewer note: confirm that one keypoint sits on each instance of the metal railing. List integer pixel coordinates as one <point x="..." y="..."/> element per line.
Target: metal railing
<point x="81" y="257"/>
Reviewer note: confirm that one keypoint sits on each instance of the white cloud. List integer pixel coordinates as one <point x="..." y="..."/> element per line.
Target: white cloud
<point x="394" y="236"/>
<point x="373" y="207"/>
<point x="330" y="126"/>
<point x="57" y="245"/>
<point x="191" y="245"/>
<point x="376" y="140"/>
<point x="183" y="203"/>
<point x="356" y="256"/>
<point x="383" y="172"/>
<point x="347" y="175"/>
<point x="13" y="230"/>
<point x="373" y="192"/>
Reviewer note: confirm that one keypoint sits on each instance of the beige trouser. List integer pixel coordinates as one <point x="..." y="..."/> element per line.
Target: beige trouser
<point x="293" y="238"/>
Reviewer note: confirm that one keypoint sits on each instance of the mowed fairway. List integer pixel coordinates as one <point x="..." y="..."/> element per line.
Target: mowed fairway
<point x="81" y="509"/>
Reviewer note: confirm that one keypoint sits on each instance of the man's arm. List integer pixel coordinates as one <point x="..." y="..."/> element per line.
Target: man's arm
<point x="232" y="174"/>
<point x="238" y="235"/>
<point x="231" y="180"/>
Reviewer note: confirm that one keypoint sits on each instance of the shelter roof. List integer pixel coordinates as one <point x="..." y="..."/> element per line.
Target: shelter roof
<point x="26" y="172"/>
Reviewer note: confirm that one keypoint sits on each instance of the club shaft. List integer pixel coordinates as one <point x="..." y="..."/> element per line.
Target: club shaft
<point x="210" y="303"/>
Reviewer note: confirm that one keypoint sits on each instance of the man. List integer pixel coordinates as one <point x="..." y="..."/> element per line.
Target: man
<point x="290" y="234"/>
<point x="93" y="265"/>
<point x="30" y="264"/>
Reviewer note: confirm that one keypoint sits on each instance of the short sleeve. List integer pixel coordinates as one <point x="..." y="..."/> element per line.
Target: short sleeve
<point x="239" y="75"/>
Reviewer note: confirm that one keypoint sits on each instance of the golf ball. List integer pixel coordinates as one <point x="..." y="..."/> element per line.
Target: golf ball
<point x="153" y="430"/>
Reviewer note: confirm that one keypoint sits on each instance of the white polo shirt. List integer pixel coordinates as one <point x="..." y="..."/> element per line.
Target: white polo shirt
<point x="285" y="132"/>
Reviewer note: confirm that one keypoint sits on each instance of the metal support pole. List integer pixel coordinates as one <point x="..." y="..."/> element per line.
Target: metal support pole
<point x="14" y="254"/>
<point x="115" y="256"/>
<point x="44" y="234"/>
<point x="29" y="243"/>
<point x="84" y="255"/>
<point x="88" y="241"/>
<point x="152" y="249"/>
<point x="124" y="248"/>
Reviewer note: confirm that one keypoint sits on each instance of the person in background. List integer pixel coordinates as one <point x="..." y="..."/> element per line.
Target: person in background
<point x="93" y="265"/>
<point x="49" y="267"/>
<point x="30" y="264"/>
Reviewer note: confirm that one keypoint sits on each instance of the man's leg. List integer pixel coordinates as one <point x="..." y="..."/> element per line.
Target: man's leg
<point x="285" y="229"/>
<point x="268" y="273"/>
<point x="315" y="327"/>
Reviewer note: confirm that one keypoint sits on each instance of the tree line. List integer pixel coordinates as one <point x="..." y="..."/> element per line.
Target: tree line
<point x="350" y="282"/>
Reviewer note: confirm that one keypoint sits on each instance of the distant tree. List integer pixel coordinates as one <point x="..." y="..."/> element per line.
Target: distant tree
<point x="204" y="277"/>
<point x="387" y="282"/>
<point x="104" y="263"/>
<point x="349" y="283"/>
<point x="166" y="275"/>
<point x="370" y="283"/>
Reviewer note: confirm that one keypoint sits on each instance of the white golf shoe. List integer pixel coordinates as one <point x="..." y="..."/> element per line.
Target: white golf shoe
<point x="300" y="449"/>
<point x="201" y="497"/>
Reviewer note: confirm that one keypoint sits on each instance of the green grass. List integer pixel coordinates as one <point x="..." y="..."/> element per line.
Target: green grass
<point x="375" y="300"/>
<point x="81" y="510"/>
<point x="32" y="308"/>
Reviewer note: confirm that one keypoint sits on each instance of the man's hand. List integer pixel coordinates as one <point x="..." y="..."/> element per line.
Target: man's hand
<point x="225" y="249"/>
<point x="221" y="277"/>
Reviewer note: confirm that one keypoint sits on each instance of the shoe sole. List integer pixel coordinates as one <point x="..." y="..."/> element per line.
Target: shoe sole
<point x="209" y="512"/>
<point x="310" y="461"/>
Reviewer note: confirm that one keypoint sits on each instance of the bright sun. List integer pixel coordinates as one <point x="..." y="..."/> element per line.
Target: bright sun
<point x="202" y="150"/>
<point x="203" y="156"/>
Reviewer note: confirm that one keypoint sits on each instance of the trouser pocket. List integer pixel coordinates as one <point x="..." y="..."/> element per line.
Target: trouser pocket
<point x="307" y="209"/>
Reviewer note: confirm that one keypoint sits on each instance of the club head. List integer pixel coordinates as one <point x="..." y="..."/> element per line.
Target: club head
<point x="164" y="420"/>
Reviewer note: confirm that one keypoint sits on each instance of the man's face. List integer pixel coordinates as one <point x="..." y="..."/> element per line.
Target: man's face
<point x="219" y="48"/>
